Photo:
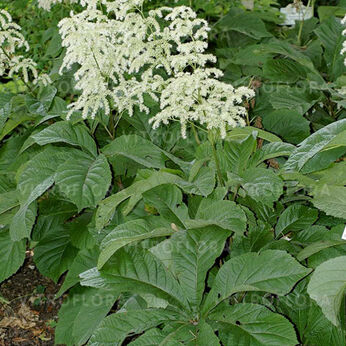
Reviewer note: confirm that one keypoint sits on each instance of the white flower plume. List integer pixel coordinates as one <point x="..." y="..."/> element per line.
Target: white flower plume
<point x="12" y="40"/>
<point x="125" y="54"/>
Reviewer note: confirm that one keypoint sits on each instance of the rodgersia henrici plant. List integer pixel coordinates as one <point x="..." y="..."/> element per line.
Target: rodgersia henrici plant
<point x="136" y="185"/>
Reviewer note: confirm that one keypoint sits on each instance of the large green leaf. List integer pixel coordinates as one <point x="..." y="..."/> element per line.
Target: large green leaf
<point x="193" y="253"/>
<point x="37" y="176"/>
<point x="295" y="218"/>
<point x="244" y="22"/>
<point x="84" y="180"/>
<point x="129" y="232"/>
<point x="327" y="287"/>
<point x="200" y="183"/>
<point x="115" y="328"/>
<point x="85" y="260"/>
<point x="168" y="200"/>
<point x="54" y="253"/>
<point x="263" y="185"/>
<point x="66" y="132"/>
<point x="330" y="34"/>
<point x="238" y="154"/>
<point x="12" y="254"/>
<point x="81" y="313"/>
<point x="224" y="214"/>
<point x="270" y="271"/>
<point x="283" y="70"/>
<point x="252" y="324"/>
<point x="331" y="199"/>
<point x="286" y="97"/>
<point x="136" y="270"/>
<point x="135" y="148"/>
<point x="288" y="124"/>
<point x="313" y="145"/>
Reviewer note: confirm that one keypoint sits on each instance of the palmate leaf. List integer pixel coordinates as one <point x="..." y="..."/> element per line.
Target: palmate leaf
<point x="270" y="271"/>
<point x="138" y="271"/>
<point x="81" y="313"/>
<point x="115" y="328"/>
<point x="84" y="180"/>
<point x="129" y="232"/>
<point x="327" y="287"/>
<point x="12" y="254"/>
<point x="252" y="324"/>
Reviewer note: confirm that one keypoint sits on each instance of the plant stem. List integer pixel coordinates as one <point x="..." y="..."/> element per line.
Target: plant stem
<point x="216" y="158"/>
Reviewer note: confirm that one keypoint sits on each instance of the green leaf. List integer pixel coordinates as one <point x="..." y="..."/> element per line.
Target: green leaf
<point x="317" y="247"/>
<point x="134" y="192"/>
<point x="331" y="199"/>
<point x="12" y="254"/>
<point x="283" y="70"/>
<point x="54" y="253"/>
<point x="5" y="108"/>
<point x="201" y="183"/>
<point x="85" y="260"/>
<point x="252" y="324"/>
<point x="262" y="185"/>
<point x="313" y="145"/>
<point x="288" y="124"/>
<point x="193" y="253"/>
<point x="295" y="218"/>
<point x="136" y="270"/>
<point x="115" y="328"/>
<point x="327" y="287"/>
<point x="37" y="176"/>
<point x="330" y="34"/>
<point x="240" y="133"/>
<point x="238" y="154"/>
<point x="224" y="214"/>
<point x="84" y="180"/>
<point x="270" y="271"/>
<point x="81" y="314"/>
<point x="65" y="132"/>
<point x="300" y="99"/>
<point x="271" y="151"/>
<point x="127" y="233"/>
<point x="246" y="23"/>
<point x="168" y="200"/>
<point x="135" y="148"/>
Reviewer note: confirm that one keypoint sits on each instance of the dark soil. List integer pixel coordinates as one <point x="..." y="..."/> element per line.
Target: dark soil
<point x="28" y="310"/>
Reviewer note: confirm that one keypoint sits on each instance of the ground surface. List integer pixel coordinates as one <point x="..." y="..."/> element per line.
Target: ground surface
<point x="28" y="310"/>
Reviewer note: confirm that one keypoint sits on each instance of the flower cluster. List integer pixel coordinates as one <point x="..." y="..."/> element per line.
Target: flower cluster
<point x="343" y="51"/>
<point x="124" y="55"/>
<point x="12" y="40"/>
<point x="47" y="4"/>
